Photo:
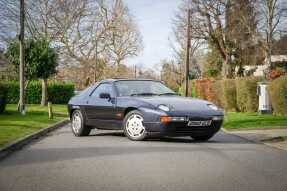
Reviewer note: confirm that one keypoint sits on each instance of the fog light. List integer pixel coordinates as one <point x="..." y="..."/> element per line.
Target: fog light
<point x="180" y="119"/>
<point x="217" y="118"/>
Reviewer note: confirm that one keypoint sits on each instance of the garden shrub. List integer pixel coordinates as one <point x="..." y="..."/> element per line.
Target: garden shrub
<point x="278" y="94"/>
<point x="192" y="89"/>
<point x="228" y="96"/>
<point x="247" y="99"/>
<point x="3" y="97"/>
<point x="216" y="88"/>
<point x="58" y="92"/>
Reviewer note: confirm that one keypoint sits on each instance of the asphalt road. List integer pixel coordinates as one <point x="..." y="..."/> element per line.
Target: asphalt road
<point x="109" y="161"/>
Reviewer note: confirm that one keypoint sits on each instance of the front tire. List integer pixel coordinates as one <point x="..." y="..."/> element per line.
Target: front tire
<point x="202" y="138"/>
<point x="78" y="125"/>
<point x="133" y="126"/>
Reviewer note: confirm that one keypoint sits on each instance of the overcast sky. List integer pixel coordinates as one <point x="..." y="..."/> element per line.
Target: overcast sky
<point x="154" y="20"/>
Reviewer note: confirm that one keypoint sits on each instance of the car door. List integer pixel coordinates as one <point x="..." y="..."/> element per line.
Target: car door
<point x="101" y="111"/>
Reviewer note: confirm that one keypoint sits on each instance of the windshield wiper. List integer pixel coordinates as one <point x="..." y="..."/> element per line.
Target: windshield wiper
<point x="144" y="94"/>
<point x="168" y="93"/>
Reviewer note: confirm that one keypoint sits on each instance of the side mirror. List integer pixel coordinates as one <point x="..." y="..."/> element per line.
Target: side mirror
<point x="105" y="96"/>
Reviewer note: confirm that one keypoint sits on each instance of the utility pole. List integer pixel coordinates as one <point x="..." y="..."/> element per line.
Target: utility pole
<point x="21" y="107"/>
<point x="187" y="54"/>
<point x="135" y="72"/>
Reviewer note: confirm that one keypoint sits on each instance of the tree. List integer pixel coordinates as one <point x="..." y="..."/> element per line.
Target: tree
<point x="271" y="13"/>
<point x="180" y="43"/>
<point x="91" y="34"/>
<point x="125" y="38"/>
<point x="40" y="58"/>
<point x="170" y="74"/>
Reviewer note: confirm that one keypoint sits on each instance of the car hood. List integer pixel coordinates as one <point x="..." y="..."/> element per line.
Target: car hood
<point x="180" y="104"/>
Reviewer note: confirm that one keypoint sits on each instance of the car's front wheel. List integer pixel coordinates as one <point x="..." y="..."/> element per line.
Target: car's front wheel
<point x="78" y="125"/>
<point x="202" y="137"/>
<point x="133" y="126"/>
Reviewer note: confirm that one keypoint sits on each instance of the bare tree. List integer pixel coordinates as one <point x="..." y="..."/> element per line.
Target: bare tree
<point x="89" y="33"/>
<point x="125" y="38"/>
<point x="271" y="13"/>
<point x="179" y="43"/>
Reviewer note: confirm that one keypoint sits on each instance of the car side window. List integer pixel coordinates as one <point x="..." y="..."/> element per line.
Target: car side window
<point x="103" y="88"/>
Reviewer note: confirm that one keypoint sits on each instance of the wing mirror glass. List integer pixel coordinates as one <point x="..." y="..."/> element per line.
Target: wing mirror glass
<point x="105" y="96"/>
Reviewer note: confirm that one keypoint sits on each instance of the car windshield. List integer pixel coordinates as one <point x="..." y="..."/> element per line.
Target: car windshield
<point x="142" y="87"/>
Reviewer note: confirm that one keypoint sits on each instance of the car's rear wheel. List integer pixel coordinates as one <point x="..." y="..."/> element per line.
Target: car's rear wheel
<point x="202" y="137"/>
<point x="78" y="125"/>
<point x="133" y="126"/>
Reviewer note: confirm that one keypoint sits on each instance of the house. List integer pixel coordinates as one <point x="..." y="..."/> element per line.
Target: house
<point x="278" y="58"/>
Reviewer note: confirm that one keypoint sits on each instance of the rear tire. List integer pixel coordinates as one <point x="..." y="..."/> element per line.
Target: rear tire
<point x="202" y="137"/>
<point x="133" y="126"/>
<point x="78" y="125"/>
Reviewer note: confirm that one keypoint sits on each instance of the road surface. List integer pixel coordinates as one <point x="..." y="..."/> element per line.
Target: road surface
<point x="107" y="160"/>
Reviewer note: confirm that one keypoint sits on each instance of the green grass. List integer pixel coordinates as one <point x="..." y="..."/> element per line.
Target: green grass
<point x="234" y="121"/>
<point x="13" y="125"/>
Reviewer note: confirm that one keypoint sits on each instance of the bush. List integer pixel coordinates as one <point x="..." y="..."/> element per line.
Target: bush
<point x="278" y="94"/>
<point x="247" y="99"/>
<point x="58" y="92"/>
<point x="217" y="90"/>
<point x="3" y="97"/>
<point x="228" y="95"/>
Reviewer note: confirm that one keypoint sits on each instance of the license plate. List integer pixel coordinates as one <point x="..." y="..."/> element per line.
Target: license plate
<point x="199" y="123"/>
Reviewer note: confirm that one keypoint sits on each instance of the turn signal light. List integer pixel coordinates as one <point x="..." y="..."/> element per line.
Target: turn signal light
<point x="165" y="119"/>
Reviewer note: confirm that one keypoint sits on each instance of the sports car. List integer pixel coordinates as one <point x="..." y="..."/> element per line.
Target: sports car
<point x="142" y="108"/>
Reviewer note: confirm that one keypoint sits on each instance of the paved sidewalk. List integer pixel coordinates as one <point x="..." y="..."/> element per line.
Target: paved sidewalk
<point x="266" y="136"/>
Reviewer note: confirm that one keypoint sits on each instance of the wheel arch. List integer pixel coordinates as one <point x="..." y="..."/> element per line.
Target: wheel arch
<point x="129" y="109"/>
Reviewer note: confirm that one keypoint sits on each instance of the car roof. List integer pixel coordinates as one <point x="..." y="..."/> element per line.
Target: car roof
<point x="126" y="79"/>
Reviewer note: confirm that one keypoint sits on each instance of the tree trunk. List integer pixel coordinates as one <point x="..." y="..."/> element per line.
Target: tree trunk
<point x="95" y="76"/>
<point x="44" y="100"/>
<point x="226" y="68"/>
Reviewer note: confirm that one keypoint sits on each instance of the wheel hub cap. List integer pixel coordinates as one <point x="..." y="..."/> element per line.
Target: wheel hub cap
<point x="76" y="123"/>
<point x="134" y="126"/>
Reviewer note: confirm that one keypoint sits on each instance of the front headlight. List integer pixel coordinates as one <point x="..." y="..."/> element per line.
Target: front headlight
<point x="163" y="108"/>
<point x="212" y="106"/>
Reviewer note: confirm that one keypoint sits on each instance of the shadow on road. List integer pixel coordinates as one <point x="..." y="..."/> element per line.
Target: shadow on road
<point x="220" y="137"/>
<point x="114" y="144"/>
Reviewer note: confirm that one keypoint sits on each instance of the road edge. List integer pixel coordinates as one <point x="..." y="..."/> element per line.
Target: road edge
<point x="20" y="143"/>
<point x="278" y="147"/>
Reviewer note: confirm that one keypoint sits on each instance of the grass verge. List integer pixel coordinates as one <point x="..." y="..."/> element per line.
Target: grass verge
<point x="236" y="121"/>
<point x="13" y="125"/>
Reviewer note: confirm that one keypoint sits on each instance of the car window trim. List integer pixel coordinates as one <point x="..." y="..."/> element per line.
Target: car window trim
<point x="101" y="84"/>
<point x="116" y="89"/>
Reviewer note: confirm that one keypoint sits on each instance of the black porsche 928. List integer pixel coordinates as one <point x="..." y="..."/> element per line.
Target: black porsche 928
<point x="142" y="108"/>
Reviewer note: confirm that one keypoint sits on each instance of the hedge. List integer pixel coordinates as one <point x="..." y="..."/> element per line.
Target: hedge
<point x="217" y="90"/>
<point x="247" y="99"/>
<point x="3" y="97"/>
<point x="227" y="94"/>
<point x="278" y="94"/>
<point x="58" y="92"/>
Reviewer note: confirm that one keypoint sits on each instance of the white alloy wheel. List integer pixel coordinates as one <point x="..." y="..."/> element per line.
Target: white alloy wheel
<point x="134" y="126"/>
<point x="76" y="122"/>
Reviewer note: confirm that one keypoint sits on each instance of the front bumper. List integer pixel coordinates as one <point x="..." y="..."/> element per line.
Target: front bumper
<point x="182" y="129"/>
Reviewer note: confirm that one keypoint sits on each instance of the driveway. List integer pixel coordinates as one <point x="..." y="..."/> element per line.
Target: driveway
<point x="109" y="161"/>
